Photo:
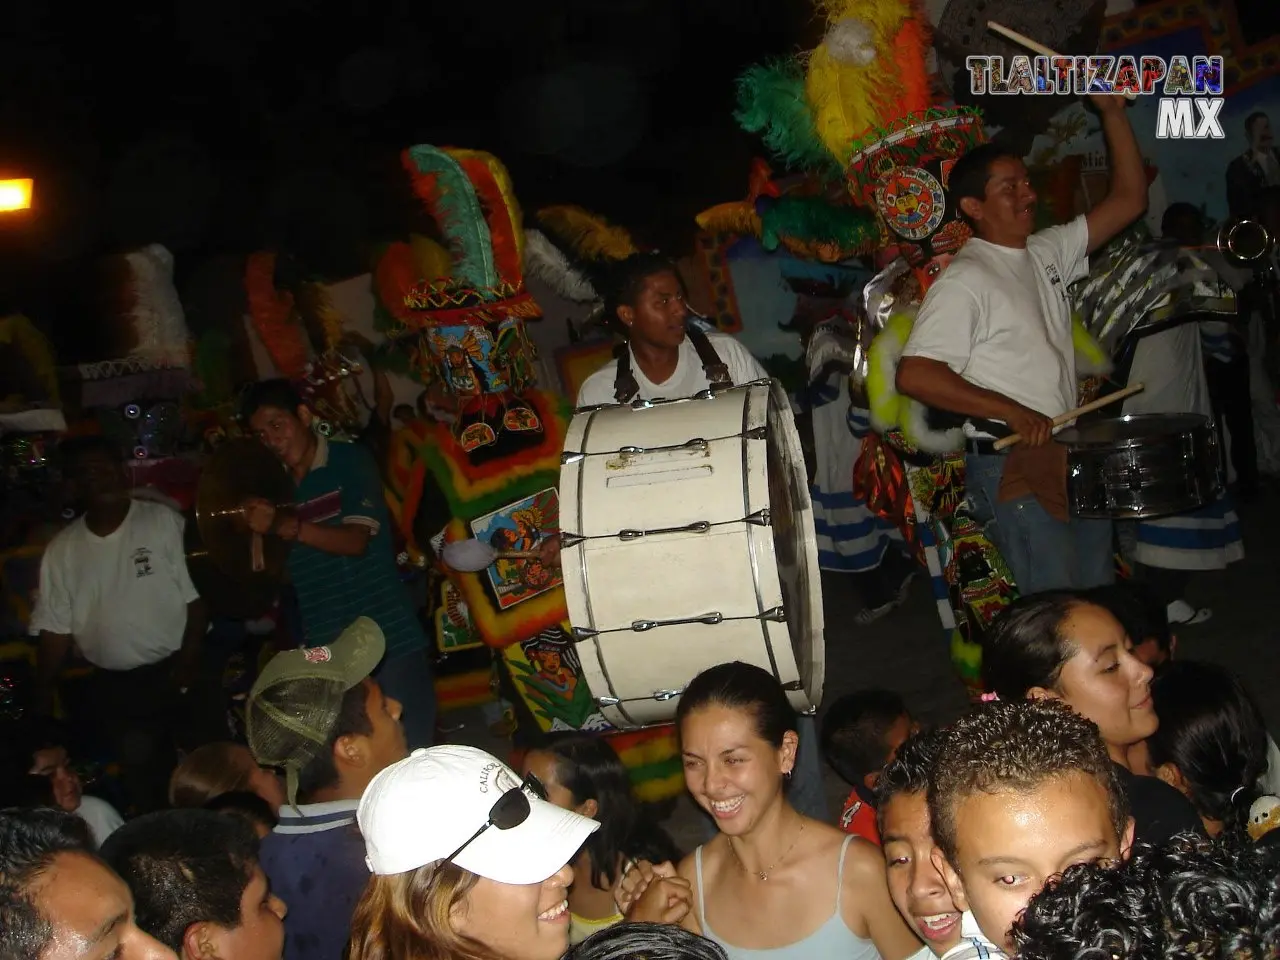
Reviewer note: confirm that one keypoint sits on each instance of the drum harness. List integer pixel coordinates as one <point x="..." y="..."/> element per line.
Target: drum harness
<point x="625" y="387"/>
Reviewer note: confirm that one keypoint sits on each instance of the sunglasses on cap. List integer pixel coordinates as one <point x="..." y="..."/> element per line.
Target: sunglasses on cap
<point x="510" y="810"/>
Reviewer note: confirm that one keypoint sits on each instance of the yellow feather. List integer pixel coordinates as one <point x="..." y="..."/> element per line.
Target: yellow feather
<point x="738" y="218"/>
<point x="434" y="261"/>
<point x="848" y="100"/>
<point x="591" y="236"/>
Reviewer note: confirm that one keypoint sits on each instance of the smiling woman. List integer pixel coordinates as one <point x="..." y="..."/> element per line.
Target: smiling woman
<point x="781" y="885"/>
<point x="483" y="876"/>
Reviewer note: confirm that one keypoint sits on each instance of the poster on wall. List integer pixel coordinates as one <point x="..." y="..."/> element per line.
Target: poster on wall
<point x="1189" y="169"/>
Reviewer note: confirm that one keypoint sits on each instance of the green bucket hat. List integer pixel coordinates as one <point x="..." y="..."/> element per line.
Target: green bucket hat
<point x="296" y="700"/>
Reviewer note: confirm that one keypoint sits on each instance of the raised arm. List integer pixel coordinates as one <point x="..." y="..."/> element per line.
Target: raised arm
<point x="1126" y="200"/>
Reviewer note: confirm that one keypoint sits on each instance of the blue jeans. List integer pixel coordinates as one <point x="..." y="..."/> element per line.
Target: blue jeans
<point x="1042" y="553"/>
<point x="408" y="677"/>
<point x="805" y="792"/>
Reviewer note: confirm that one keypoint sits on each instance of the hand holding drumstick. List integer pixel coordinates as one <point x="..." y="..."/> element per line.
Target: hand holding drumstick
<point x="1062" y="418"/>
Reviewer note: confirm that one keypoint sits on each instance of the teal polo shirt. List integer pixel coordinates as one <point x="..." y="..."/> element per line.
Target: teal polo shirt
<point x="343" y="486"/>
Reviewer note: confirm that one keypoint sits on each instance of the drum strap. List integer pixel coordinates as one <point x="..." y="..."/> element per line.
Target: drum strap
<point x="625" y="387"/>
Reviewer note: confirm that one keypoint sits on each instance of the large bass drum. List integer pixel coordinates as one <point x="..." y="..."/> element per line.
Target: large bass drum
<point x="688" y="541"/>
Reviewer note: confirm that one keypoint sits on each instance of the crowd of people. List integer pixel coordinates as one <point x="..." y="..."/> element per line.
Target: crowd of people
<point x="1087" y="806"/>
<point x="1099" y="802"/>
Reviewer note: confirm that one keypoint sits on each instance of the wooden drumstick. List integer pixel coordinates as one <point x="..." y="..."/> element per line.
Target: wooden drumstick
<point x="1032" y="45"/>
<point x="1070" y="415"/>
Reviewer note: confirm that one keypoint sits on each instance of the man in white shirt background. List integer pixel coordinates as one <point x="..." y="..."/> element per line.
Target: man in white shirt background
<point x="992" y="343"/>
<point x="114" y="587"/>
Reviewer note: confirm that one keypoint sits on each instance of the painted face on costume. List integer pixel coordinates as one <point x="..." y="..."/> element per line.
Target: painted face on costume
<point x="1103" y="681"/>
<point x="1008" y="843"/>
<point x="915" y="883"/>
<point x="286" y="432"/>
<point x="518" y="921"/>
<point x="90" y="911"/>
<point x="1008" y="210"/>
<point x="659" y="313"/>
<point x="732" y="772"/>
<point x="932" y="270"/>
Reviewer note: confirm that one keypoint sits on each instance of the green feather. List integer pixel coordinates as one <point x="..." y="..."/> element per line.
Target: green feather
<point x="771" y="102"/>
<point x="814" y="219"/>
<point x="460" y="218"/>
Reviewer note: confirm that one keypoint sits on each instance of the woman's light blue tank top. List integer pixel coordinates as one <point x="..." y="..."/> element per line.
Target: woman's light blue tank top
<point x="831" y="941"/>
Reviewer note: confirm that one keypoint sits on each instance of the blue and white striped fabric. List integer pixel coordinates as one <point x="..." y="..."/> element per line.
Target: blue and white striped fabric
<point x="1204" y="539"/>
<point x="851" y="538"/>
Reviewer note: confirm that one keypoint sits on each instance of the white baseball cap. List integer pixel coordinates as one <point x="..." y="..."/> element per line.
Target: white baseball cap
<point x="426" y="806"/>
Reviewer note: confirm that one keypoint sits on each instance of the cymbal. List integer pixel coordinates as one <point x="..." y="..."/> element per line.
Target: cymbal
<point x="238" y="470"/>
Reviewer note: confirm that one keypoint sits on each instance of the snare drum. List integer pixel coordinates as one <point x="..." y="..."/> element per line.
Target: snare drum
<point x="687" y="541"/>
<point x="1141" y="466"/>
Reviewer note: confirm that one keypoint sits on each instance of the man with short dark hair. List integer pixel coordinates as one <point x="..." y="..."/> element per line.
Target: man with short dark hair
<point x="319" y="715"/>
<point x="341" y="563"/>
<point x="1255" y="169"/>
<point x="992" y="347"/>
<point x="1020" y="791"/>
<point x="197" y="886"/>
<point x="58" y="900"/>
<point x="114" y="584"/>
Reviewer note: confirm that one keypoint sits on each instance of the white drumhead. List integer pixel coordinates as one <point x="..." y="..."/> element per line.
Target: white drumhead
<point x="637" y="470"/>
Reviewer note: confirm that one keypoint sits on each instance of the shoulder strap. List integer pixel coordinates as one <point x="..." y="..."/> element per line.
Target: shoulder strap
<point x="844" y="848"/>
<point x="715" y="369"/>
<point x="702" y="904"/>
<point x="625" y="387"/>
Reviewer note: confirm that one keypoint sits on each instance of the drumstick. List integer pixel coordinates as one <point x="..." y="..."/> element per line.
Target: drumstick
<point x="1077" y="412"/>
<point x="1030" y="44"/>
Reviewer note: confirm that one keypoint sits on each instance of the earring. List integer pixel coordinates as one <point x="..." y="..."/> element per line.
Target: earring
<point x="786" y="775"/>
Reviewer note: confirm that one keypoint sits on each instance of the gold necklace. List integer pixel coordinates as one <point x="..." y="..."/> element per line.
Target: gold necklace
<point x="764" y="874"/>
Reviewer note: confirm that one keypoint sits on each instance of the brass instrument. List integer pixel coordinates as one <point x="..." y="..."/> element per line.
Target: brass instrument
<point x="240" y="470"/>
<point x="1244" y="241"/>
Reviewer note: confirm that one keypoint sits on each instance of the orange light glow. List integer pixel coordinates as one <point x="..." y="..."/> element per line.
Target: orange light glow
<point x="15" y="195"/>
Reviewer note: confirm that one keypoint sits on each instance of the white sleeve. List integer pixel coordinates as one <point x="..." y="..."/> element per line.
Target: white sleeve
<point x="598" y="388"/>
<point x="946" y="326"/>
<point x="52" y="610"/>
<point x="743" y="366"/>
<point x="1069" y="244"/>
<point x="176" y="554"/>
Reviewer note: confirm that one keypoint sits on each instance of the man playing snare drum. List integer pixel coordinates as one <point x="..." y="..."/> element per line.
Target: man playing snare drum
<point x="992" y="343"/>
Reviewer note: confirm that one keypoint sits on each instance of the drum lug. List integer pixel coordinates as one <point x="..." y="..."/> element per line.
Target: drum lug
<point x="571" y="456"/>
<point x="664" y="695"/>
<point x="793" y="686"/>
<point x="761" y="518"/>
<point x="757" y="433"/>
<point x="710" y="619"/>
<point x="607" y="701"/>
<point x="570" y="540"/>
<point x="776" y="614"/>
<point x="584" y="633"/>
<point x="698" y="526"/>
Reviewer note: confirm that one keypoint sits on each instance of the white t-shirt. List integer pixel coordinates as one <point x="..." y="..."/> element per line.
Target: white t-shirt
<point x="688" y="378"/>
<point x="1000" y="317"/>
<point x="102" y="818"/>
<point x="973" y="944"/>
<point x="122" y="597"/>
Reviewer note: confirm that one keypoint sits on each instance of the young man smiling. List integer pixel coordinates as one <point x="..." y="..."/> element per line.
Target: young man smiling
<point x="992" y="344"/>
<point x="341" y="563"/>
<point x="1021" y="790"/>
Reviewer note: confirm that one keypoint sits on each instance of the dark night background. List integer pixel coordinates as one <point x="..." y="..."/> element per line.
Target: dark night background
<point x="245" y="124"/>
